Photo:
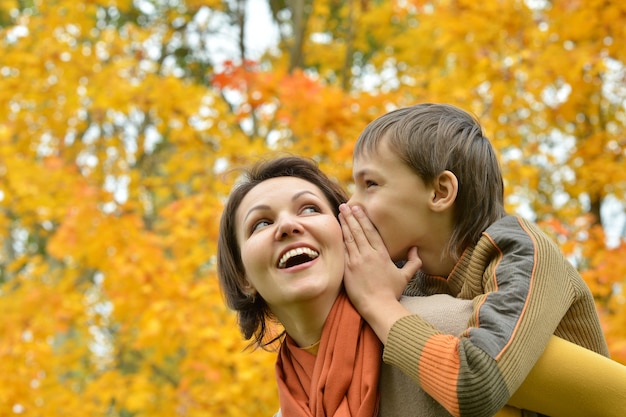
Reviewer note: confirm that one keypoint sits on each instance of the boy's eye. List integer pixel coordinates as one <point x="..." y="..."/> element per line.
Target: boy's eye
<point x="370" y="183"/>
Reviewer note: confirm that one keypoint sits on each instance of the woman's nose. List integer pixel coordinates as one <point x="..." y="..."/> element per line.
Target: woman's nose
<point x="288" y="225"/>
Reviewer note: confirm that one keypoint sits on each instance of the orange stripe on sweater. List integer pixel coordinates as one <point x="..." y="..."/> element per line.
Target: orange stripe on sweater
<point x="439" y="370"/>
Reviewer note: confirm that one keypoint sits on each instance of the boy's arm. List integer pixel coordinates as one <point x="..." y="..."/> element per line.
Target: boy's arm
<point x="528" y="289"/>
<point x="450" y="316"/>
<point x="366" y="255"/>
<point x="522" y="305"/>
<point x="430" y="358"/>
<point x="567" y="380"/>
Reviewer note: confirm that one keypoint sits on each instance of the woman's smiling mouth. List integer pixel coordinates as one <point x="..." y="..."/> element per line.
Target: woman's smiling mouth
<point x="297" y="256"/>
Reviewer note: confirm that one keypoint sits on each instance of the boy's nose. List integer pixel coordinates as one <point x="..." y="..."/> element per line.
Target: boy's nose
<point x="354" y="200"/>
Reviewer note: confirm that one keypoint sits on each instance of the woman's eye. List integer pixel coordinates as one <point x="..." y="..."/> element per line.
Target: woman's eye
<point x="370" y="183"/>
<point x="311" y="209"/>
<point x="259" y="225"/>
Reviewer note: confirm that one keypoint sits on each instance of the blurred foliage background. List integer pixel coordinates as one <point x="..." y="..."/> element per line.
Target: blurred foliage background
<point x="121" y="120"/>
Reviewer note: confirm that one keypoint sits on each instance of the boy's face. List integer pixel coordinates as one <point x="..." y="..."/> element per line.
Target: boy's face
<point x="395" y="200"/>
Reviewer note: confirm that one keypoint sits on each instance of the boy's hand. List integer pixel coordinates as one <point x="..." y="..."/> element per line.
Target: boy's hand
<point x="373" y="282"/>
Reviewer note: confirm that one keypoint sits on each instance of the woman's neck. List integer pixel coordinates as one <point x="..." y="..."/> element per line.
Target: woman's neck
<point x="304" y="321"/>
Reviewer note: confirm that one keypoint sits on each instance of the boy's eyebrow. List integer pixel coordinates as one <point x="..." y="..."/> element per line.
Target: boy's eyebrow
<point x="360" y="173"/>
<point x="266" y="207"/>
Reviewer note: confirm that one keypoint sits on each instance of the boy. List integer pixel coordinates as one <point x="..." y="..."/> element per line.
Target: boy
<point x="429" y="182"/>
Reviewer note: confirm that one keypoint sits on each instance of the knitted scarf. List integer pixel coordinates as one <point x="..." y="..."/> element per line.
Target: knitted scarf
<point x="342" y="380"/>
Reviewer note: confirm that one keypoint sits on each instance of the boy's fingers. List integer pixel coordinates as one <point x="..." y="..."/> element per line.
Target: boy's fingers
<point x="352" y="231"/>
<point x="367" y="228"/>
<point x="412" y="265"/>
<point x="348" y="238"/>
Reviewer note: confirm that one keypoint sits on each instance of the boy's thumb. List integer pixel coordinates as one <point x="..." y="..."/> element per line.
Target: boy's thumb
<point x="412" y="265"/>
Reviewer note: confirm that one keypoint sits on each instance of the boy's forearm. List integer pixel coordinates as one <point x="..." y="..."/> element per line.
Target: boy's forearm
<point x="383" y="316"/>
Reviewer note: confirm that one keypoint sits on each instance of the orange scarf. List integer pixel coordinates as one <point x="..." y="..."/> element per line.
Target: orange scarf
<point x="342" y="380"/>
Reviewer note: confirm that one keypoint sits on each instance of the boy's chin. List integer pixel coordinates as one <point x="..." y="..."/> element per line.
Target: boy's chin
<point x="399" y="264"/>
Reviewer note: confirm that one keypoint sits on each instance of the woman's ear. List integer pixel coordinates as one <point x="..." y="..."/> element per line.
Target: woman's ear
<point x="249" y="291"/>
<point x="247" y="288"/>
<point x="445" y="190"/>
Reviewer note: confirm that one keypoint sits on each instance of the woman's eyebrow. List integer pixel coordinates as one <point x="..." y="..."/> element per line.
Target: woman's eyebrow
<point x="266" y="207"/>
<point x="255" y="208"/>
<point x="301" y="193"/>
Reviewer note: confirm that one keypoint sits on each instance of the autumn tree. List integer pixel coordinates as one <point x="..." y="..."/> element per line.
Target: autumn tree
<point x="123" y="122"/>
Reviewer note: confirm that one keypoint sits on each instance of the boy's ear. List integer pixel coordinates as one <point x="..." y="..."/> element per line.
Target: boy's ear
<point x="445" y="189"/>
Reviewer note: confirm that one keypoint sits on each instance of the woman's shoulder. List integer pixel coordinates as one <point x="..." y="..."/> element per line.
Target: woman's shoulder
<point x="448" y="314"/>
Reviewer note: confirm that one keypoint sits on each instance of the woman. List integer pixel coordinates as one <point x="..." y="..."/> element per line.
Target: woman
<point x="280" y="255"/>
<point x="281" y="258"/>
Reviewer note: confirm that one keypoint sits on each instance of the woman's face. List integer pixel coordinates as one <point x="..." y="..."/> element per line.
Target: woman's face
<point x="291" y="242"/>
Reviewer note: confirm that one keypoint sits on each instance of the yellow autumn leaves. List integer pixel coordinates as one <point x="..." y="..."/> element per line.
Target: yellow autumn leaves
<point x="120" y="138"/>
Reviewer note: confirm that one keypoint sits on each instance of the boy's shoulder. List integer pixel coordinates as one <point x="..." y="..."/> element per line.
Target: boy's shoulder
<point x="510" y="223"/>
<point x="512" y="229"/>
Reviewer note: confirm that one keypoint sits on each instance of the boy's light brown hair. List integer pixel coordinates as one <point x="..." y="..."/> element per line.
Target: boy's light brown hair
<point x="431" y="138"/>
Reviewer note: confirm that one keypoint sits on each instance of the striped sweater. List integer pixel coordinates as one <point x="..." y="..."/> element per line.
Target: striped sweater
<point x="523" y="290"/>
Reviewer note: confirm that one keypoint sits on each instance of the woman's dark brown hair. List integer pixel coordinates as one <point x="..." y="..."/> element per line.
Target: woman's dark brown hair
<point x="253" y="313"/>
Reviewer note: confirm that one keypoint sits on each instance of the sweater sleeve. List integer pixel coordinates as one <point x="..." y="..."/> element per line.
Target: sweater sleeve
<point x="521" y="290"/>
